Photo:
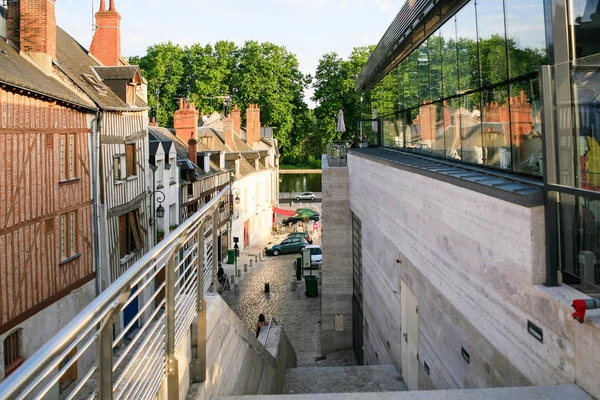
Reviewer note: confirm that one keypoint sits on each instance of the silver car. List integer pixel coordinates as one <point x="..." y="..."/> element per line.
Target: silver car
<point x="305" y="196"/>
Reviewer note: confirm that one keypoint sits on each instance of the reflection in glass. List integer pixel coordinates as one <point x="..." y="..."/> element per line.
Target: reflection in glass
<point x="468" y="61"/>
<point x="438" y="147"/>
<point x="496" y="128"/>
<point x="470" y="129"/>
<point x="412" y="90"/>
<point x="526" y="129"/>
<point x="580" y="229"/>
<point x="423" y="66"/>
<point x="492" y="41"/>
<point x="526" y="35"/>
<point x="413" y="134"/>
<point x="452" y="131"/>
<point x="584" y="18"/>
<point x="392" y="131"/>
<point x="449" y="58"/>
<point x="435" y="44"/>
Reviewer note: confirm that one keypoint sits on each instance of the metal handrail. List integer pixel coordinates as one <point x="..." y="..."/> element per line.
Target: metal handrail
<point x="100" y="313"/>
<point x="273" y="321"/>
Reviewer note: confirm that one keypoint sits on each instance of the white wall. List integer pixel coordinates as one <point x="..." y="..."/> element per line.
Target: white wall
<point x="167" y="181"/>
<point x="41" y="327"/>
<point x="476" y="264"/>
<point x="255" y="206"/>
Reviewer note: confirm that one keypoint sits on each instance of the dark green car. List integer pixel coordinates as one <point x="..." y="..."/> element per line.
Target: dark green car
<point x="288" y="246"/>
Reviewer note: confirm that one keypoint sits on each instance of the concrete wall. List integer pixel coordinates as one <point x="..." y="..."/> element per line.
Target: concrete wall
<point x="237" y="363"/>
<point x="40" y="328"/>
<point x="336" y="242"/>
<point x="475" y="264"/>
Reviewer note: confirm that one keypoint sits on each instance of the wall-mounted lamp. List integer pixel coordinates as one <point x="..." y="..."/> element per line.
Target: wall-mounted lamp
<point x="237" y="199"/>
<point x="160" y="211"/>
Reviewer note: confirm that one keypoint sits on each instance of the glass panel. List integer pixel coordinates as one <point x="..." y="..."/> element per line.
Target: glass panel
<point x="496" y="128"/>
<point x="468" y="61"/>
<point x="413" y="80"/>
<point x="425" y="122"/>
<point x="580" y="229"/>
<point x="452" y="129"/>
<point x="525" y="30"/>
<point x="584" y="20"/>
<point x="438" y="147"/>
<point x="492" y="41"/>
<point x="392" y="132"/>
<point x="423" y="66"/>
<point x="470" y="129"/>
<point x="412" y="128"/>
<point x="526" y="127"/>
<point x="401" y="82"/>
<point x="435" y="44"/>
<point x="449" y="58"/>
<point x="585" y="114"/>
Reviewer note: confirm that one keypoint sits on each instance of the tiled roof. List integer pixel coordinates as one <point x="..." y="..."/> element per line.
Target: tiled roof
<point x="117" y="73"/>
<point x="75" y="61"/>
<point x="18" y="72"/>
<point x="166" y="134"/>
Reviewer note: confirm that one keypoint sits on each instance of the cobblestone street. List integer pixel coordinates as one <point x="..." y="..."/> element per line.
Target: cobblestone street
<point x="297" y="314"/>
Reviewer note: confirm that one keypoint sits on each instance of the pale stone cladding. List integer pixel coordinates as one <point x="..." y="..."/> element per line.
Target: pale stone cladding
<point x="476" y="264"/>
<point x="336" y="271"/>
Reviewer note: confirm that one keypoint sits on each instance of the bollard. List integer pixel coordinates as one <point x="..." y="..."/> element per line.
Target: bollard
<point x="250" y="263"/>
<point x="245" y="267"/>
<point x="293" y="285"/>
<point x="267" y="287"/>
<point x="255" y="258"/>
<point x="239" y="273"/>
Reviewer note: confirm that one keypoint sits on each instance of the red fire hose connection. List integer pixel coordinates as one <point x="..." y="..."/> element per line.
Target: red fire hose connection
<point x="581" y="306"/>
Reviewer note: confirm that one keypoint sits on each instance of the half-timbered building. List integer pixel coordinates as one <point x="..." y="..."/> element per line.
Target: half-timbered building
<point x="46" y="225"/>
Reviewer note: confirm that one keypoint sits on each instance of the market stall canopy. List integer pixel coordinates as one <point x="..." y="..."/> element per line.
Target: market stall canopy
<point x="285" y="213"/>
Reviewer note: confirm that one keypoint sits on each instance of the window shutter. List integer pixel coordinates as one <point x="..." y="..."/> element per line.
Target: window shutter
<point x="123" y="235"/>
<point x="134" y="220"/>
<point x="130" y="156"/>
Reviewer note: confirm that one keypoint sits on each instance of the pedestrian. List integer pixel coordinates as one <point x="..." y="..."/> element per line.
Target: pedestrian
<point x="353" y="144"/>
<point x="261" y="322"/>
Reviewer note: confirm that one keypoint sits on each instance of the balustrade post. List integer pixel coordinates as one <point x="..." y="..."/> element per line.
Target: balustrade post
<point x="198" y="365"/>
<point x="104" y="358"/>
<point x="172" y="368"/>
<point x="215" y="251"/>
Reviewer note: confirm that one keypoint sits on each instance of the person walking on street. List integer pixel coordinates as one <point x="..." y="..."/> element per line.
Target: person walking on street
<point x="261" y="322"/>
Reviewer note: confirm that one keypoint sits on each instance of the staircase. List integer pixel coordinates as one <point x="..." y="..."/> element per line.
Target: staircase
<point x="358" y="379"/>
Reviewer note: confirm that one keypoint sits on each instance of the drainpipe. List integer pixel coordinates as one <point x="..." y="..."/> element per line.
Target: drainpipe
<point x="581" y="306"/>
<point x="95" y="133"/>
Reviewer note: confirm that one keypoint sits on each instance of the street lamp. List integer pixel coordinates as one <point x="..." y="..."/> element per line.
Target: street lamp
<point x="160" y="211"/>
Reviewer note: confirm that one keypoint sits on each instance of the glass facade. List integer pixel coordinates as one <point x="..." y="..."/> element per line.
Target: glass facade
<point x="470" y="92"/>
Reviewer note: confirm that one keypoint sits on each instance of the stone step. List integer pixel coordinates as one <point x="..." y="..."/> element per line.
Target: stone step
<point x="357" y="379"/>
<point x="564" y="392"/>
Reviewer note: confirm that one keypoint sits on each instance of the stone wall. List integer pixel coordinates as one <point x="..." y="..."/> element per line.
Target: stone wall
<point x="476" y="264"/>
<point x="236" y="362"/>
<point x="336" y="243"/>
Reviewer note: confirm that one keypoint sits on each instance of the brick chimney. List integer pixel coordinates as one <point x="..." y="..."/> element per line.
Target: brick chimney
<point x="228" y="134"/>
<point x="252" y="124"/>
<point x="185" y="121"/>
<point x="193" y="151"/>
<point x="236" y="114"/>
<point x="32" y="30"/>
<point x="106" y="44"/>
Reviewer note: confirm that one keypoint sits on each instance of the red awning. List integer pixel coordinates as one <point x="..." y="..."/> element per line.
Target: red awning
<point x="285" y="213"/>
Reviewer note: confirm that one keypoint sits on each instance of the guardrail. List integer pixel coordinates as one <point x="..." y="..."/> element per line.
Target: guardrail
<point x="337" y="154"/>
<point x="129" y="356"/>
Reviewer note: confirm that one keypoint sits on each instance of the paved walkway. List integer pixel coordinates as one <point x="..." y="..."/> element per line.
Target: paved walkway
<point x="297" y="314"/>
<point x="373" y="378"/>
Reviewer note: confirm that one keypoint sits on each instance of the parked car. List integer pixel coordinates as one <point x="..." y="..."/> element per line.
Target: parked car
<point x="305" y="196"/>
<point x="304" y="235"/>
<point x="294" y="220"/>
<point x="287" y="246"/>
<point x="316" y="255"/>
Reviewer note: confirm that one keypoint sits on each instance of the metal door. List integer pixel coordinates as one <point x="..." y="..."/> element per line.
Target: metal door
<point x="409" y="320"/>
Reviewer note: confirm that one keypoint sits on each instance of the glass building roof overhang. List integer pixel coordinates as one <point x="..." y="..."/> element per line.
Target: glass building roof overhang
<point x="414" y="23"/>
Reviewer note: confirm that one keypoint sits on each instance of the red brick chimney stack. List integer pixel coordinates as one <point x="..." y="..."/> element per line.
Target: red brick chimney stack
<point x="236" y="114"/>
<point x="32" y="29"/>
<point x="106" y="44"/>
<point x="252" y="124"/>
<point x="193" y="151"/>
<point x="185" y="121"/>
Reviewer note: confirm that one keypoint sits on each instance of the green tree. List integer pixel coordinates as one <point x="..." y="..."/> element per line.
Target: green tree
<point x="162" y="66"/>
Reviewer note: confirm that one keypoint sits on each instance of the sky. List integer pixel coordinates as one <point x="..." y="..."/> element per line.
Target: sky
<point x="307" y="28"/>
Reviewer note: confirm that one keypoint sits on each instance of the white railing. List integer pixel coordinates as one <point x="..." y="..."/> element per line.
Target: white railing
<point x="125" y="340"/>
